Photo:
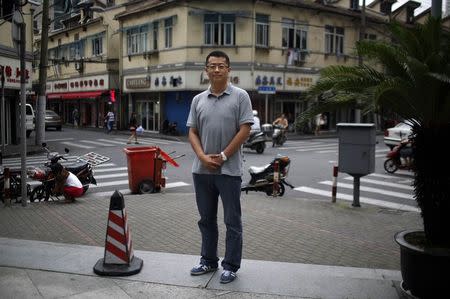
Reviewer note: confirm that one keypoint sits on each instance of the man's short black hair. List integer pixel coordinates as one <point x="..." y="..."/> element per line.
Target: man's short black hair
<point x="218" y="54"/>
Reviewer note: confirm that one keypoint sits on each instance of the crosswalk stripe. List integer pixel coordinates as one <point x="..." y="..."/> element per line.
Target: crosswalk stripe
<point x="381" y="150"/>
<point x="76" y="145"/>
<point x="112" y="141"/>
<point x="146" y="141"/>
<point x="379" y="156"/>
<point x="103" y="165"/>
<point x="327" y="151"/>
<point x="111" y="169"/>
<point x="108" y="176"/>
<point x="112" y="183"/>
<point x="303" y="144"/>
<point x="362" y="199"/>
<point x="399" y="186"/>
<point x="370" y="189"/>
<point x="60" y="139"/>
<point x="97" y="143"/>
<point x="387" y="176"/>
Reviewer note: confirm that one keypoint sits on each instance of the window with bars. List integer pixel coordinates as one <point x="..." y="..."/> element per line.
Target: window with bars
<point x="295" y="36"/>
<point x="76" y="50"/>
<point x="334" y="40"/>
<point x="168" y="32"/>
<point x="137" y="39"/>
<point x="155" y="35"/>
<point x="262" y="30"/>
<point x="219" y="29"/>
<point x="97" y="45"/>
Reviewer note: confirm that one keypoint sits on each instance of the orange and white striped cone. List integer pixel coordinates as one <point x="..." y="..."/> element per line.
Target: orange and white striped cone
<point x="119" y="259"/>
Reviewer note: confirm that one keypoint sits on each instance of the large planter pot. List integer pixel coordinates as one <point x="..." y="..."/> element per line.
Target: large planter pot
<point x="425" y="269"/>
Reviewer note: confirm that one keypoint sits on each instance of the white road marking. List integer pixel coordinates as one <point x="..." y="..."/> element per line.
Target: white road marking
<point x="399" y="186"/>
<point x="370" y="189"/>
<point x="367" y="200"/>
<point x="76" y="145"/>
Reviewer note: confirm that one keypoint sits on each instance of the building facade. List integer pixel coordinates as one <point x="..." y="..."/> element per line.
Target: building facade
<point x="277" y="49"/>
<point x="10" y="67"/>
<point x="83" y="60"/>
<point x="150" y="55"/>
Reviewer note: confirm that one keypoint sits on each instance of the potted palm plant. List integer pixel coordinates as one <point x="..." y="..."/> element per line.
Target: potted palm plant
<point x="410" y="76"/>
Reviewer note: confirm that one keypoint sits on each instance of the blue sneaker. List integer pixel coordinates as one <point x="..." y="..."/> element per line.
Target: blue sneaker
<point x="202" y="269"/>
<point x="227" y="276"/>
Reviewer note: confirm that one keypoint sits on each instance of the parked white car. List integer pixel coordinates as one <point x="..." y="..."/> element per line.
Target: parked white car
<point x="394" y="135"/>
<point x="29" y="119"/>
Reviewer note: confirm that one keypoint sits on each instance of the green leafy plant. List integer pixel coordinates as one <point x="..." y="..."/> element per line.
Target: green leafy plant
<point x="410" y="76"/>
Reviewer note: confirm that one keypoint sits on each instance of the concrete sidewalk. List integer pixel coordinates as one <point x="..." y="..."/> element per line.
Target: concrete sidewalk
<point x="35" y="269"/>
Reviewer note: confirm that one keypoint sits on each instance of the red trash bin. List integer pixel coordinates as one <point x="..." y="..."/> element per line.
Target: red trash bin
<point x="145" y="165"/>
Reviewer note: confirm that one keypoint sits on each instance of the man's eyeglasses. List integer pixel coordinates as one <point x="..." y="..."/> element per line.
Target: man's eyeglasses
<point x="212" y="67"/>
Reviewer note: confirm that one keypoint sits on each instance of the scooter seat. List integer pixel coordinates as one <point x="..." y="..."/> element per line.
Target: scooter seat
<point x="75" y="168"/>
<point x="257" y="169"/>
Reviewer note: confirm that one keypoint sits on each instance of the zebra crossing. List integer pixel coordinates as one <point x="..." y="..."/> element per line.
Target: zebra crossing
<point x="110" y="142"/>
<point x="391" y="191"/>
<point x="325" y="147"/>
<point x="109" y="175"/>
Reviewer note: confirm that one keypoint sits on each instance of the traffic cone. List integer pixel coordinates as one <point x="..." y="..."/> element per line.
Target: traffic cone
<point x="119" y="259"/>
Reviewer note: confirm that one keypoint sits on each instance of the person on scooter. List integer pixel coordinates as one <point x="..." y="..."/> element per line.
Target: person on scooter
<point x="281" y="121"/>
<point x="66" y="183"/>
<point x="406" y="152"/>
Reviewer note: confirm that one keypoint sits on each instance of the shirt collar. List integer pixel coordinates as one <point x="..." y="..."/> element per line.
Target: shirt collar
<point x="226" y="91"/>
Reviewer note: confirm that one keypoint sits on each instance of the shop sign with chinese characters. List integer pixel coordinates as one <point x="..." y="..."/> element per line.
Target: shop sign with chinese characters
<point x="80" y="84"/>
<point x="12" y="74"/>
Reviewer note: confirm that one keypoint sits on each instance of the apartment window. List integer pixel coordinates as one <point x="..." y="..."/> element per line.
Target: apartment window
<point x="354" y="4"/>
<point x="155" y="35"/>
<point x="76" y="50"/>
<point x="334" y="40"/>
<point x="137" y="39"/>
<point x="294" y="35"/>
<point x="6" y="10"/>
<point x="262" y="30"/>
<point x="97" y="45"/>
<point x="219" y="29"/>
<point x="168" y="32"/>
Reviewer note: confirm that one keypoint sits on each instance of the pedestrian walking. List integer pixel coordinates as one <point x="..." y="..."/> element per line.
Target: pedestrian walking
<point x="320" y="121"/>
<point x="219" y="123"/>
<point x="133" y="126"/>
<point x="109" y="120"/>
<point x="76" y="117"/>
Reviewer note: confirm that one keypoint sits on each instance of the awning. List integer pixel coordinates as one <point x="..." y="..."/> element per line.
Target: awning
<point x="75" y="95"/>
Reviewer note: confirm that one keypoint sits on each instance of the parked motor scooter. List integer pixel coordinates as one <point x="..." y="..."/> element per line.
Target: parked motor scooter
<point x="256" y="141"/>
<point x="15" y="185"/>
<point x="83" y="171"/>
<point x="394" y="159"/>
<point x="262" y="178"/>
<point x="278" y="136"/>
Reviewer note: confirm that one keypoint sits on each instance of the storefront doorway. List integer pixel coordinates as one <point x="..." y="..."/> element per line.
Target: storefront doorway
<point x="148" y="115"/>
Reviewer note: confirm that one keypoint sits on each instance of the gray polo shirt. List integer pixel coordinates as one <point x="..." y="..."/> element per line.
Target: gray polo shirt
<point x="217" y="120"/>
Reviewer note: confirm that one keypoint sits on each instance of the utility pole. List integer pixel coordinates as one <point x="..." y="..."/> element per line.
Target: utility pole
<point x="2" y="109"/>
<point x="362" y="33"/>
<point x="23" y="102"/>
<point x="42" y="98"/>
<point x="436" y="8"/>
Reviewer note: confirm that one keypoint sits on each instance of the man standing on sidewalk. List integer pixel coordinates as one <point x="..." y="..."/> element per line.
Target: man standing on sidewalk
<point x="219" y="123"/>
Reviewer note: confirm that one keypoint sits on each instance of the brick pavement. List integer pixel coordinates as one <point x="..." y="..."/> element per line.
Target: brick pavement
<point x="285" y="229"/>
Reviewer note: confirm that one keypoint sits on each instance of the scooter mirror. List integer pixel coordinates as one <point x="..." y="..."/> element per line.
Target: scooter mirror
<point x="66" y="150"/>
<point x="44" y="144"/>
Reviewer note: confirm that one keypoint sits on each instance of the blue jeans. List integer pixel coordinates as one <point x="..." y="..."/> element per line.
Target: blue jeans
<point x="110" y="125"/>
<point x="207" y="191"/>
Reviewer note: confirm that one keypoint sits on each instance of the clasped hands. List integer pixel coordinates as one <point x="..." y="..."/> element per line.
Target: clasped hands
<point x="212" y="161"/>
